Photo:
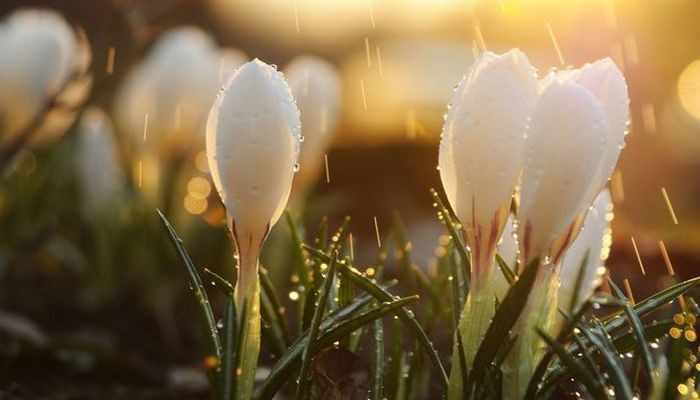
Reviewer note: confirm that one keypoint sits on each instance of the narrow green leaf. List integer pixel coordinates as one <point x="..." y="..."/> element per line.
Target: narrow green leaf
<point x="651" y="303"/>
<point x="444" y="216"/>
<point x="609" y="356"/>
<point x="315" y="326"/>
<point x="219" y="281"/>
<point x="506" y="316"/>
<point x="207" y="321"/>
<point x="230" y="345"/>
<point x="333" y="328"/>
<point x="269" y="290"/>
<point x="505" y="269"/>
<point x="580" y="276"/>
<point x="637" y="328"/>
<point x="405" y="315"/>
<point x="377" y="389"/>
<point x="575" y="366"/>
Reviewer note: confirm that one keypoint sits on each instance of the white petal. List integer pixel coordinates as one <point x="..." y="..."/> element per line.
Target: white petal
<point x="252" y="146"/>
<point x="317" y="89"/>
<point x="594" y="241"/>
<point x="605" y="80"/>
<point x="484" y="135"/>
<point x="565" y="149"/>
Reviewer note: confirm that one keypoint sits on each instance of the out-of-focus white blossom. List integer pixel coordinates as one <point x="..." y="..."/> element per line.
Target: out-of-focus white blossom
<point x="99" y="170"/>
<point x="317" y="89"/>
<point x="43" y="64"/>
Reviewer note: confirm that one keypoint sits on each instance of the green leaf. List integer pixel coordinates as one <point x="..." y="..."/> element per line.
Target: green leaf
<point x="230" y="345"/>
<point x="600" y="340"/>
<point x="507" y="272"/>
<point x="651" y="303"/>
<point x="576" y="367"/>
<point x="506" y="316"/>
<point x="444" y="216"/>
<point x="315" y="326"/>
<point x="333" y="328"/>
<point x="580" y="276"/>
<point x="219" y="282"/>
<point x="637" y="328"/>
<point x="405" y="315"/>
<point x="377" y="389"/>
<point x="207" y="321"/>
<point x="268" y="290"/>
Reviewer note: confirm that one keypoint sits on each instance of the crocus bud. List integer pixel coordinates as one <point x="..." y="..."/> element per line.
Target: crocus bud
<point x="41" y="57"/>
<point x="99" y="170"/>
<point x="480" y="161"/>
<point x="592" y="246"/>
<point x="482" y="142"/>
<point x="252" y="140"/>
<point x="317" y="89"/>
<point x="567" y="143"/>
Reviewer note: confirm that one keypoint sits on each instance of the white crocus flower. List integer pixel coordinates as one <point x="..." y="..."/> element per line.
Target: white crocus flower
<point x="317" y="89"/>
<point x="99" y="170"/>
<point x="568" y="159"/>
<point x="43" y="64"/>
<point x="480" y="160"/>
<point x="252" y="141"/>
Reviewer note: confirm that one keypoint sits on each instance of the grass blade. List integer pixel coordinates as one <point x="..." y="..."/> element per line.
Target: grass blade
<point x="210" y="333"/>
<point x="377" y="389"/>
<point x="444" y="216"/>
<point x="332" y="329"/>
<point x="505" y="269"/>
<point x="405" y="315"/>
<point x="315" y="326"/>
<point x="229" y="337"/>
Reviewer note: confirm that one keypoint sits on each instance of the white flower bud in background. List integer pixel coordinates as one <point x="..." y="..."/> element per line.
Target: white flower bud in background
<point x="99" y="170"/>
<point x="41" y="59"/>
<point x="175" y="86"/>
<point x="566" y="147"/>
<point x="482" y="142"/>
<point x="253" y="139"/>
<point x="316" y="87"/>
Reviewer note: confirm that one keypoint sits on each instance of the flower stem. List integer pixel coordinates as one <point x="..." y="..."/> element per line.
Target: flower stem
<point x="247" y="295"/>
<point x="475" y="319"/>
<point x="528" y="350"/>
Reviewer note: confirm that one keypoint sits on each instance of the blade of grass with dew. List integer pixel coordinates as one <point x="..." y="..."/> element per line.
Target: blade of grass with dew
<point x="268" y="290"/>
<point x="651" y="303"/>
<point x="504" y="320"/>
<point x="457" y="299"/>
<point x="269" y="316"/>
<point x="405" y="315"/>
<point x="412" y="270"/>
<point x="315" y="326"/>
<point x="333" y="328"/>
<point x="637" y="328"/>
<point x="229" y="339"/>
<point x="207" y="321"/>
<point x="580" y="276"/>
<point x="565" y="332"/>
<point x="446" y="219"/>
<point x="377" y="381"/>
<point x="505" y="269"/>
<point x="575" y="366"/>
<point x="610" y="359"/>
<point x="462" y="361"/>
<point x="394" y="368"/>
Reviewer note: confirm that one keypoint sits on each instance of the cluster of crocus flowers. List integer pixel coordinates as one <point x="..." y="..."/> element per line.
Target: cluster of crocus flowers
<point x="252" y="140"/>
<point x="44" y="77"/>
<point x="557" y="140"/>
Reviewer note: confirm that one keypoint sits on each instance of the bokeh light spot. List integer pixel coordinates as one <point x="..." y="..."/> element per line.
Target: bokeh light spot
<point x="689" y="89"/>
